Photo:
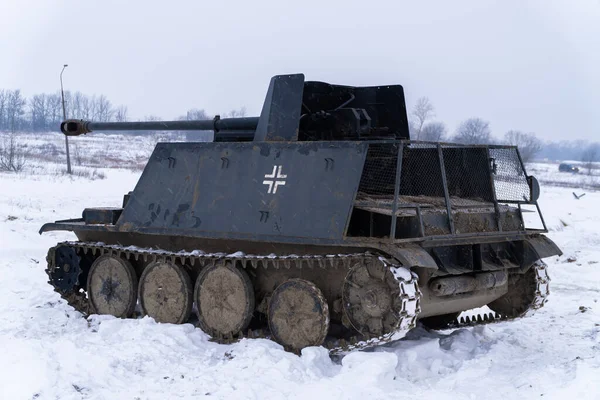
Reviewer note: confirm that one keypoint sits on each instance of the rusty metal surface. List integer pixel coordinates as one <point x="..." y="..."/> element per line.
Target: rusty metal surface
<point x="432" y="305"/>
<point x="525" y="294"/>
<point x="464" y="284"/>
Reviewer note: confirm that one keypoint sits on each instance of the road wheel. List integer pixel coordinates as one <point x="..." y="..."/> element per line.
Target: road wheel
<point x="224" y="299"/>
<point x="112" y="286"/>
<point x="298" y="315"/>
<point x="166" y="292"/>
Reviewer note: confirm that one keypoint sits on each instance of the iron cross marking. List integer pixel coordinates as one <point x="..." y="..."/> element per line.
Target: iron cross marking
<point x="274" y="179"/>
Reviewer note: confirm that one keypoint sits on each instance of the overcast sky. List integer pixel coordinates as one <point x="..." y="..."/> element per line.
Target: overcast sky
<point x="528" y="65"/>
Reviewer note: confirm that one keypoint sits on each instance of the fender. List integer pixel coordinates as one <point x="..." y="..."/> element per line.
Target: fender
<point x="535" y="248"/>
<point x="543" y="247"/>
<point x="411" y="255"/>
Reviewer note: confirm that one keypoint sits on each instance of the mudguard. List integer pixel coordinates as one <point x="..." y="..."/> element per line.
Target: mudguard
<point x="536" y="248"/>
<point x="411" y="255"/>
<point x="543" y="247"/>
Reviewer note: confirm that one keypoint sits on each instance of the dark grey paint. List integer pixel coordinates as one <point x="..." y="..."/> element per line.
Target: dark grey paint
<point x="214" y="187"/>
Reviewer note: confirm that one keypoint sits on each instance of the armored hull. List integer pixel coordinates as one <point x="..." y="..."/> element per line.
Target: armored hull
<point x="323" y="225"/>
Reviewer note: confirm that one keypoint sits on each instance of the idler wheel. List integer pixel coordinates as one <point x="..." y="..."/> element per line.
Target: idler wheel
<point x="521" y="295"/>
<point x="298" y="315"/>
<point x="371" y="299"/>
<point x="224" y="299"/>
<point x="112" y="286"/>
<point x="166" y="292"/>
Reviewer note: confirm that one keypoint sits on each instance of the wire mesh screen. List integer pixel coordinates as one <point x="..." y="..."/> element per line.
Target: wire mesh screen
<point x="473" y="173"/>
<point x="509" y="177"/>
<point x="421" y="172"/>
<point x="379" y="173"/>
<point x="468" y="176"/>
<point x="443" y="189"/>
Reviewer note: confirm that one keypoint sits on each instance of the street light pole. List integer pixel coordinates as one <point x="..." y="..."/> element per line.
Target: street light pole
<point x="62" y="93"/>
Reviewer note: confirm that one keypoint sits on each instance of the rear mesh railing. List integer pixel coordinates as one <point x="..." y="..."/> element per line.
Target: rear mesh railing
<point x="510" y="181"/>
<point x="446" y="178"/>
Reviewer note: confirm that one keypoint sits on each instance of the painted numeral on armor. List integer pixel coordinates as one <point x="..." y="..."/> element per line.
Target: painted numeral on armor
<point x="224" y="162"/>
<point x="264" y="216"/>
<point x="329" y="163"/>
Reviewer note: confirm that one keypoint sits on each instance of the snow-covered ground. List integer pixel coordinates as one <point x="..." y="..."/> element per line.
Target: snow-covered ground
<point x="48" y="351"/>
<point x="547" y="174"/>
<point x="46" y="154"/>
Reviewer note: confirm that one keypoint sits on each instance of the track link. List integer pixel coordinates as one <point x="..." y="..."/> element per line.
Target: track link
<point x="407" y="281"/>
<point x="542" y="291"/>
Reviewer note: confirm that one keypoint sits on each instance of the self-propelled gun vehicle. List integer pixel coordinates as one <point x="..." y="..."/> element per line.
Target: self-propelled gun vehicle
<point x="317" y="223"/>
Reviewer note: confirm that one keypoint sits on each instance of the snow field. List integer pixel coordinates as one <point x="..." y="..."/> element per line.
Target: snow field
<point x="547" y="174"/>
<point x="48" y="351"/>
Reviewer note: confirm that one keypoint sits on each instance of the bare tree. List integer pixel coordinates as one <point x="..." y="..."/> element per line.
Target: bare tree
<point x="75" y="110"/>
<point x="590" y="156"/>
<point x="54" y="105"/>
<point x="239" y="113"/>
<point x="422" y="112"/>
<point x="200" y="136"/>
<point x="195" y="114"/>
<point x="103" y="109"/>
<point x="473" y="131"/>
<point x="3" y="96"/>
<point x="12" y="155"/>
<point x="121" y="114"/>
<point x="38" y="107"/>
<point x="15" y="109"/>
<point x="433" y="132"/>
<point x="529" y="145"/>
<point x="86" y="108"/>
<point x="93" y="108"/>
<point x="44" y="111"/>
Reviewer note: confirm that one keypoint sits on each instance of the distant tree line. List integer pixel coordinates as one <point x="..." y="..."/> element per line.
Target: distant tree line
<point x="474" y="130"/>
<point x="43" y="112"/>
<point x="198" y="114"/>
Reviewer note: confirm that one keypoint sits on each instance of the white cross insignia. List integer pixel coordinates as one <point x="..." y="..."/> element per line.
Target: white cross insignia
<point x="274" y="179"/>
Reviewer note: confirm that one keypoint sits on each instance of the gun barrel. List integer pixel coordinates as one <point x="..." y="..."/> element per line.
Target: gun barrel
<point x="225" y="129"/>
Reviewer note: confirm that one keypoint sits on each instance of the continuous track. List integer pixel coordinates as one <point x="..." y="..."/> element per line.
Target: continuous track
<point x="541" y="293"/>
<point x="407" y="282"/>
